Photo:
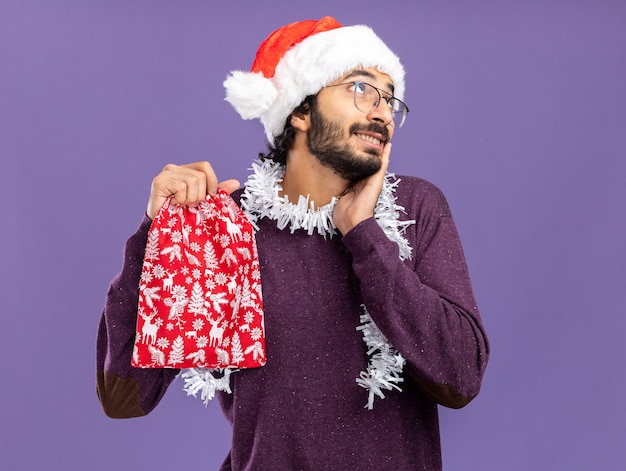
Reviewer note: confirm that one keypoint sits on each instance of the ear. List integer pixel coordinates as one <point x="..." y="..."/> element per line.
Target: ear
<point x="300" y="121"/>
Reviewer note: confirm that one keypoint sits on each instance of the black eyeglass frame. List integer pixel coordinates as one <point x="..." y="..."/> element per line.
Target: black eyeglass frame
<point x="382" y="94"/>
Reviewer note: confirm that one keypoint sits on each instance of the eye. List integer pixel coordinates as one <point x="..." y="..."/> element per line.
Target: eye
<point x="359" y="87"/>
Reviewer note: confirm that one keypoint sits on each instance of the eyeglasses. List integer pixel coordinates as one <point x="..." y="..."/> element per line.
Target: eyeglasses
<point x="367" y="98"/>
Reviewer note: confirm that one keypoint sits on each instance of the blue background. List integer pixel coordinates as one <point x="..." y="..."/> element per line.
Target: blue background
<point x="518" y="112"/>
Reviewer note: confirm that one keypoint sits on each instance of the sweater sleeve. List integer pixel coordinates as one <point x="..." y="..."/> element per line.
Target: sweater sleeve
<point x="425" y="307"/>
<point x="124" y="391"/>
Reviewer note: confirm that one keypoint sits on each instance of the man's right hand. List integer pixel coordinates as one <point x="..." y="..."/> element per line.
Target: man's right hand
<point x="188" y="184"/>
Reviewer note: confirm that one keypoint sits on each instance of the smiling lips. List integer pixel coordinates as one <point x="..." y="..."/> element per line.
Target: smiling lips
<point x="370" y="139"/>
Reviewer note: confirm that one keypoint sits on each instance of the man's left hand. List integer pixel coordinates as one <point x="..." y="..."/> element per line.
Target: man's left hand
<point x="359" y="201"/>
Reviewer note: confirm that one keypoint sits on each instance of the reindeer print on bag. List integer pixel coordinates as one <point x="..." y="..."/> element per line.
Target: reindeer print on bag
<point x="200" y="299"/>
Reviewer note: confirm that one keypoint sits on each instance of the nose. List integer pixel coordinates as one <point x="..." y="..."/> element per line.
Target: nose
<point x="382" y="113"/>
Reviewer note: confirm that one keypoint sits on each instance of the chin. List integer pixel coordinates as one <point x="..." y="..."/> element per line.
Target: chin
<point x="360" y="169"/>
<point x="349" y="163"/>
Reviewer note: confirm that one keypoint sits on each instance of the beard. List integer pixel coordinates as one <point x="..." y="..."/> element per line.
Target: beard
<point x="327" y="142"/>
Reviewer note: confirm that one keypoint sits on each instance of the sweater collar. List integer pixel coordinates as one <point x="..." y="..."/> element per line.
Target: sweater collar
<point x="261" y="199"/>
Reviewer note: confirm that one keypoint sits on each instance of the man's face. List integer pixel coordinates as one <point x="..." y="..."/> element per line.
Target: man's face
<point x="345" y="139"/>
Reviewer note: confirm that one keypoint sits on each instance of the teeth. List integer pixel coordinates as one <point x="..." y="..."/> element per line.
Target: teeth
<point x="371" y="139"/>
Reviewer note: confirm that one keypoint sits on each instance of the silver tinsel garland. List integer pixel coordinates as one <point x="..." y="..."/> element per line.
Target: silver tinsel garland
<point x="261" y="199"/>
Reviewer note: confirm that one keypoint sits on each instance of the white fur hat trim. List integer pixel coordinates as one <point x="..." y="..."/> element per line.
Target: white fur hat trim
<point x="306" y="68"/>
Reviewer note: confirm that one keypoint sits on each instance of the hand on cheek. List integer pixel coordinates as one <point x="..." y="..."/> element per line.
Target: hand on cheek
<point x="360" y="200"/>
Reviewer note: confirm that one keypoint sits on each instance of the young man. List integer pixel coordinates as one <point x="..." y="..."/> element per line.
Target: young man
<point x="341" y="244"/>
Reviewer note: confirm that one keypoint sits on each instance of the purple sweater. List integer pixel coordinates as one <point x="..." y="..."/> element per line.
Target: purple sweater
<point x="304" y="409"/>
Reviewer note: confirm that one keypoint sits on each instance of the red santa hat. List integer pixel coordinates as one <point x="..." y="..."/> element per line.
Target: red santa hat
<point x="298" y="60"/>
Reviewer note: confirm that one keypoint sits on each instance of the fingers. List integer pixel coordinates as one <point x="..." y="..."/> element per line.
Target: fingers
<point x="187" y="184"/>
<point x="385" y="158"/>
<point x="375" y="182"/>
<point x="229" y="185"/>
<point x="359" y="201"/>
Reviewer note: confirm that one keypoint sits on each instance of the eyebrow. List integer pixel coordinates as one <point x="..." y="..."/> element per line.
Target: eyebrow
<point x="368" y="74"/>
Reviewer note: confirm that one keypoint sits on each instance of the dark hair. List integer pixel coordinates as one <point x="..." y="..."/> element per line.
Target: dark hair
<point x="284" y="141"/>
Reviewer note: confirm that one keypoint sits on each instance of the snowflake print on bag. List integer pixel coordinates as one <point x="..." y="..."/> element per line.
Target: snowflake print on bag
<point x="200" y="302"/>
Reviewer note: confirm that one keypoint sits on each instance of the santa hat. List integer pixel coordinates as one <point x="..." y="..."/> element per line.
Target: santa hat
<point x="298" y="60"/>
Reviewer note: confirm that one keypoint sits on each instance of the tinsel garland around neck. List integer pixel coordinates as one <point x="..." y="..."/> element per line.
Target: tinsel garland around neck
<point x="261" y="199"/>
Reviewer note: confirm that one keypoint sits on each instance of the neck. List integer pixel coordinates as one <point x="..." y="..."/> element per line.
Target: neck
<point x="306" y="176"/>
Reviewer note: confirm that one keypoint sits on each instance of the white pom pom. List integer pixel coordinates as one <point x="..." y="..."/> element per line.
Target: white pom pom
<point x="251" y="94"/>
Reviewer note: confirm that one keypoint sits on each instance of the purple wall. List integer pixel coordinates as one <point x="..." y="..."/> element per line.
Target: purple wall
<point x="518" y="114"/>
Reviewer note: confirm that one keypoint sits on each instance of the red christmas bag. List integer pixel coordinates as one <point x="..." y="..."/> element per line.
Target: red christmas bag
<point x="200" y="302"/>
